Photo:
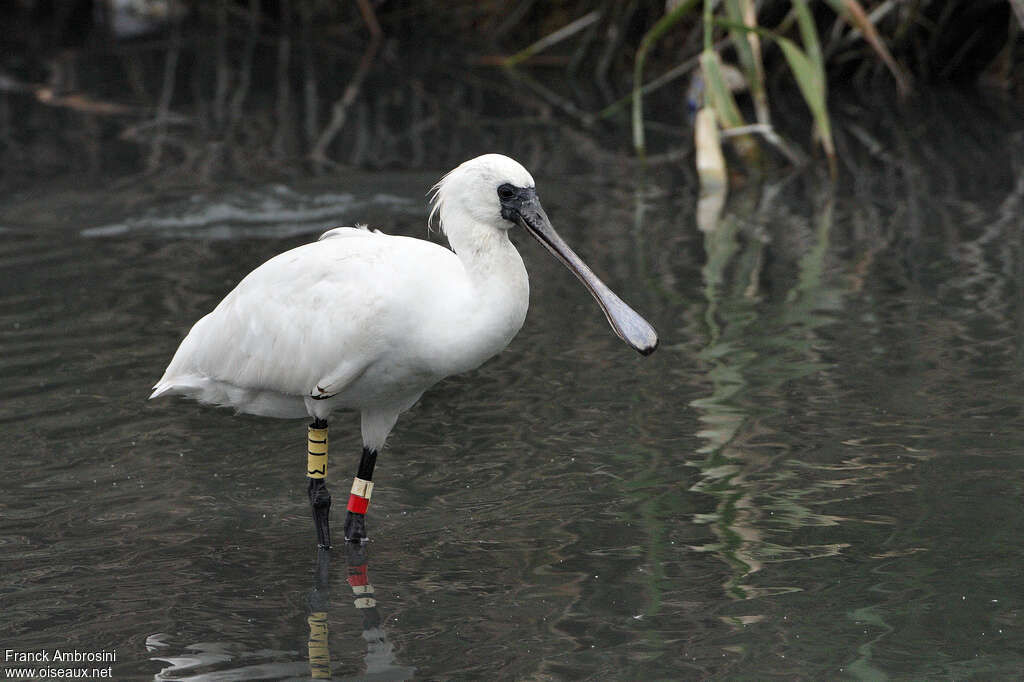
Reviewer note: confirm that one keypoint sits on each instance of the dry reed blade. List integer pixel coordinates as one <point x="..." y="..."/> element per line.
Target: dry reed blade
<point x="719" y="98"/>
<point x="718" y="93"/>
<point x="711" y="170"/>
<point x="809" y="75"/>
<point x="853" y="13"/>
<point x="748" y="49"/>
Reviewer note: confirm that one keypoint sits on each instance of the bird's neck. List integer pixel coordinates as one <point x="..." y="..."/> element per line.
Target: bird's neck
<point x="500" y="294"/>
<point x="487" y="254"/>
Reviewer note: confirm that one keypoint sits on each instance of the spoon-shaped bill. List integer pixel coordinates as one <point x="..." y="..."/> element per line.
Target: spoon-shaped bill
<point x="625" y="321"/>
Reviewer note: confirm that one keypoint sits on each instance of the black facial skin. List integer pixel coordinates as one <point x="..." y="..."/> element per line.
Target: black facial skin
<point x="513" y="199"/>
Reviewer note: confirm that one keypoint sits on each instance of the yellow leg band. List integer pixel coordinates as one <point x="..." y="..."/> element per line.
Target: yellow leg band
<point x="319" y="654"/>
<point x="316" y="444"/>
<point x="362" y="488"/>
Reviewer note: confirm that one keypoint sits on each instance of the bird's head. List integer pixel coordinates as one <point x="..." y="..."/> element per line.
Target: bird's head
<point x="485" y="190"/>
<point x="490" y="194"/>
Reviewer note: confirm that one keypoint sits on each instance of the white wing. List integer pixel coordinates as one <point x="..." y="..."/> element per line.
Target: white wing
<point x="320" y="315"/>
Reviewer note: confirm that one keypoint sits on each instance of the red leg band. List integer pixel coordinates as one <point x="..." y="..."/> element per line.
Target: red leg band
<point x="357" y="504"/>
<point x="357" y="576"/>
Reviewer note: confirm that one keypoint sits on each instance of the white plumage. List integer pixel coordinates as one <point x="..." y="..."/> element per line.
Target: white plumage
<point x="368" y="321"/>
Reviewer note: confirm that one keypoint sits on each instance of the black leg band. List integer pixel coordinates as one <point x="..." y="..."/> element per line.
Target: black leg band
<point x="366" y="464"/>
<point x="359" y="500"/>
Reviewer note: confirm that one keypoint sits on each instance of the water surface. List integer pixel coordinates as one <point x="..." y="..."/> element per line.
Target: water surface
<point x="818" y="474"/>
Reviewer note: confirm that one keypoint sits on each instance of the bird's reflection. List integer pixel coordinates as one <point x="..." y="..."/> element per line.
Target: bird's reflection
<point x="319" y="601"/>
<point x="219" y="660"/>
<point x="380" y="653"/>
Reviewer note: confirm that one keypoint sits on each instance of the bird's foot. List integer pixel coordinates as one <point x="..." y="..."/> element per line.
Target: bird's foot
<point x="355" y="553"/>
<point x="355" y="527"/>
<point x="320" y="502"/>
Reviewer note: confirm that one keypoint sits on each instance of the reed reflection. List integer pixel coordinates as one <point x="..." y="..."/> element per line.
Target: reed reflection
<point x="751" y="357"/>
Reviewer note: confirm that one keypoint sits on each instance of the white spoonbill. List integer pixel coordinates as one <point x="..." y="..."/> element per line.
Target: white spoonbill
<point x="367" y="321"/>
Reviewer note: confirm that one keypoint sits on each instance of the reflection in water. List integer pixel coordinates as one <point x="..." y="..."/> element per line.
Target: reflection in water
<point x="714" y="185"/>
<point x="208" y="661"/>
<point x="762" y="486"/>
<point x="380" y="653"/>
<point x="319" y="603"/>
<point x="858" y="376"/>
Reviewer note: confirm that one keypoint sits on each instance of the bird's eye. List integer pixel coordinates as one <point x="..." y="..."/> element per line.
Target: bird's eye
<point x="506" y="193"/>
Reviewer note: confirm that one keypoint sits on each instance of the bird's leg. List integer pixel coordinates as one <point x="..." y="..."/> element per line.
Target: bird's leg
<point x="316" y="471"/>
<point x="359" y="500"/>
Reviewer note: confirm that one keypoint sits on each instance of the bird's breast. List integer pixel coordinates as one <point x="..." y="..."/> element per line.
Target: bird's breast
<point x="475" y="327"/>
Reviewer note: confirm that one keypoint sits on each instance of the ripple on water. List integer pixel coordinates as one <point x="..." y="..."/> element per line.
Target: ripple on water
<point x="272" y="212"/>
<point x="822" y="461"/>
